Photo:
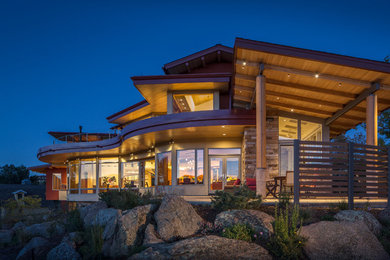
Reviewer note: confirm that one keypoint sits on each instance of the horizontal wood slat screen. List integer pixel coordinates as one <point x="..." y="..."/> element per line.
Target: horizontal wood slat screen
<point x="340" y="170"/>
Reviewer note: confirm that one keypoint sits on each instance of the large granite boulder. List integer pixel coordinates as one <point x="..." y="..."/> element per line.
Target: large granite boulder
<point x="63" y="252"/>
<point x="176" y="218"/>
<point x="108" y="219"/>
<point x="151" y="236"/>
<point x="360" y="216"/>
<point x="73" y="239"/>
<point x="88" y="212"/>
<point x="341" y="240"/>
<point x="6" y="236"/>
<point x="207" y="247"/>
<point x="45" y="229"/>
<point x="260" y="222"/>
<point x="129" y="231"/>
<point x="384" y="216"/>
<point x="36" y="248"/>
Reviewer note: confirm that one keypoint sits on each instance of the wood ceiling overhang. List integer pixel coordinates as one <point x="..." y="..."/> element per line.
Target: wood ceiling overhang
<point x="328" y="86"/>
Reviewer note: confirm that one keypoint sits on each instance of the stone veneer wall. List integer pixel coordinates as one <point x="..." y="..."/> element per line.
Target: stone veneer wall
<point x="272" y="149"/>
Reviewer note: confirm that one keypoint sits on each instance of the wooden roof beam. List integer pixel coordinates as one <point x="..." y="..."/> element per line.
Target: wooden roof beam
<point x="301" y="108"/>
<point x="365" y="84"/>
<point x="374" y="87"/>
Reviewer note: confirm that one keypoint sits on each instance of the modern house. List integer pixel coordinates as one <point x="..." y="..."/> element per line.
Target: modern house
<point x="225" y="115"/>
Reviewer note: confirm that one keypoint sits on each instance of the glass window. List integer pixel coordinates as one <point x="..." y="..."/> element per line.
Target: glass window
<point x="311" y="131"/>
<point x="74" y="178"/>
<point x="190" y="166"/>
<point x="286" y="159"/>
<point x="199" y="166"/>
<point x="149" y="173"/>
<point x="56" y="181"/>
<point x="224" y="151"/>
<point x="192" y="102"/>
<point x="164" y="168"/>
<point x="130" y="173"/>
<point x="288" y="128"/>
<point x="88" y="176"/>
<point x="108" y="173"/>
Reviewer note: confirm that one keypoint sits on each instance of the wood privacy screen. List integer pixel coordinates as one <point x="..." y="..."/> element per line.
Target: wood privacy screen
<point x="340" y="170"/>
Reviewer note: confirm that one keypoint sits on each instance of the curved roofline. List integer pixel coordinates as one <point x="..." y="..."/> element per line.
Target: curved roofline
<point x="165" y="122"/>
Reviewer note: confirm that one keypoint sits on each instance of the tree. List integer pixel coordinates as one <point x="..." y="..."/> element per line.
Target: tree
<point x="11" y="174"/>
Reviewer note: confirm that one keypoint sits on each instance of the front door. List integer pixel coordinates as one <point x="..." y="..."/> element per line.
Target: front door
<point x="224" y="172"/>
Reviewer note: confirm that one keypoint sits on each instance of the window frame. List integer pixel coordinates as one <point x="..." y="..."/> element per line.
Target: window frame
<point x="170" y="100"/>
<point x="195" y="163"/>
<point x="52" y="181"/>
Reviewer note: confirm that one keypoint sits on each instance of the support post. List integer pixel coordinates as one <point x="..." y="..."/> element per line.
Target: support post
<point x="261" y="163"/>
<point x="350" y="176"/>
<point x="372" y="119"/>
<point x="388" y="176"/>
<point x="296" y="171"/>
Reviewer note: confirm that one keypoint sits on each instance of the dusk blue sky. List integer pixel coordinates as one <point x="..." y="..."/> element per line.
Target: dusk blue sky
<point x="68" y="63"/>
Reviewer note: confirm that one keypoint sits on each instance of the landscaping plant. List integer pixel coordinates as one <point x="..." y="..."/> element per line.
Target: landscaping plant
<point x="285" y="242"/>
<point x="92" y="249"/>
<point x="239" y="232"/>
<point x="241" y="198"/>
<point x="74" y="222"/>
<point x="127" y="199"/>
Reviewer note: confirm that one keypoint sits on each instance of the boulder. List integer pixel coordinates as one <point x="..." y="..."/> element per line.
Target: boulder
<point x="45" y="229"/>
<point x="63" y="252"/>
<point x="384" y="216"/>
<point x="360" y="216"/>
<point x="260" y="222"/>
<point x="36" y="248"/>
<point x="6" y="236"/>
<point x="341" y="240"/>
<point x="151" y="236"/>
<point x="207" y="247"/>
<point x="176" y="218"/>
<point x="107" y="218"/>
<point x="73" y="239"/>
<point x="18" y="226"/>
<point x="88" y="212"/>
<point x="130" y="227"/>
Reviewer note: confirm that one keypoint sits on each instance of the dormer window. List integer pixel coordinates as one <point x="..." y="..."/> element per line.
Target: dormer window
<point x="192" y="102"/>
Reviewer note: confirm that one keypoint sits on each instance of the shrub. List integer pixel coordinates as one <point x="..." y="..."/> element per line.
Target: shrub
<point x="93" y="236"/>
<point x="239" y="232"/>
<point x="28" y="202"/>
<point x="240" y="198"/>
<point x="74" y="222"/>
<point x="126" y="199"/>
<point x="284" y="200"/>
<point x="285" y="242"/>
<point x="341" y="205"/>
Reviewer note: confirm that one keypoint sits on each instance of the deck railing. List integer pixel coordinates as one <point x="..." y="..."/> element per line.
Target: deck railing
<point x="340" y="170"/>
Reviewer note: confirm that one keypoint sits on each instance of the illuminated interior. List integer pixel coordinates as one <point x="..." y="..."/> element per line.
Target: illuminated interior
<point x="192" y="102"/>
<point x="74" y="178"/>
<point x="190" y="166"/>
<point x="88" y="176"/>
<point x="56" y="181"/>
<point x="164" y="164"/>
<point x="130" y="173"/>
<point x="224" y="168"/>
<point x="149" y="173"/>
<point x="108" y="173"/>
<point x="288" y="128"/>
<point x="311" y="131"/>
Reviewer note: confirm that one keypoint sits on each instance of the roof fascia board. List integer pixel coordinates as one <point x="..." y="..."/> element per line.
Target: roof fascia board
<point x="313" y="55"/>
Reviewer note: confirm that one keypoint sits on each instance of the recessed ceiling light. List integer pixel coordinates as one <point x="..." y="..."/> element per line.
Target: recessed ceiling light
<point x="292" y="110"/>
<point x="277" y="98"/>
<point x="223" y="134"/>
<point x="244" y="63"/>
<point x="223" y="126"/>
<point x="340" y="84"/>
<point x="288" y="75"/>
<point x="317" y="75"/>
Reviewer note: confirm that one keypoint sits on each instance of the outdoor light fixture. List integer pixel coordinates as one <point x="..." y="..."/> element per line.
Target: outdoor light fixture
<point x="277" y="98"/>
<point x="288" y="75"/>
<point x="340" y="84"/>
<point x="317" y="75"/>
<point x="244" y="63"/>
<point x="223" y="126"/>
<point x="223" y="134"/>
<point x="292" y="110"/>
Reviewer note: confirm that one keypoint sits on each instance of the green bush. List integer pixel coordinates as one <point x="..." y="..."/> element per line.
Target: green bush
<point x="92" y="249"/>
<point x="74" y="222"/>
<point x="284" y="200"/>
<point x="341" y="205"/>
<point x="285" y="242"/>
<point x="239" y="232"/>
<point x="127" y="199"/>
<point x="240" y="198"/>
<point x="28" y="202"/>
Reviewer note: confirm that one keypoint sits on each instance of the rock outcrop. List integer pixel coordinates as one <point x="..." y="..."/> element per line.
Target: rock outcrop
<point x="63" y="252"/>
<point x="341" y="240"/>
<point x="88" y="212"/>
<point x="176" y="218"/>
<point x="207" y="247"/>
<point x="151" y="236"/>
<point x="260" y="222"/>
<point x="36" y="248"/>
<point x="45" y="229"/>
<point x="360" y="216"/>
<point x="128" y="232"/>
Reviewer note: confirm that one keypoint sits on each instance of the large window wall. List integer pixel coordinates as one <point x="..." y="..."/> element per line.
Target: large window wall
<point x="190" y="166"/>
<point x="291" y="128"/>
